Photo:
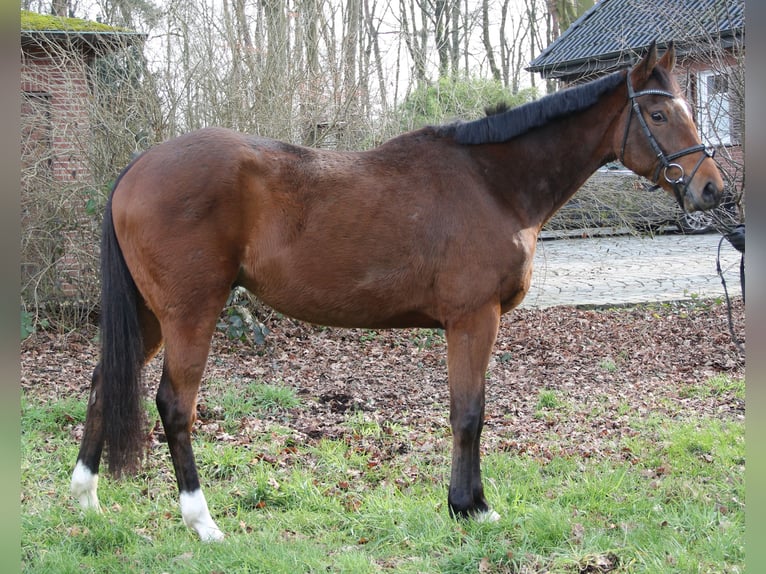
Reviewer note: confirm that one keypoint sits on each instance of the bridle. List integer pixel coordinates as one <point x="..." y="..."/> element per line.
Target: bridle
<point x="665" y="162"/>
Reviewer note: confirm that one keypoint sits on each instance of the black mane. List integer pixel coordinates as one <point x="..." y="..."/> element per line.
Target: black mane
<point x="501" y="125"/>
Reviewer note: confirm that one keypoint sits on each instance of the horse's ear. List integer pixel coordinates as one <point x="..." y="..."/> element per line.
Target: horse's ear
<point x="643" y="69"/>
<point x="668" y="59"/>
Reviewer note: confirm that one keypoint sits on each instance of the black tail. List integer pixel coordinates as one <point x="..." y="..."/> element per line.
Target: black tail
<point x="122" y="355"/>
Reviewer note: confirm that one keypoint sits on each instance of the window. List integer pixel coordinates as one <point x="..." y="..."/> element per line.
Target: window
<point x="716" y="110"/>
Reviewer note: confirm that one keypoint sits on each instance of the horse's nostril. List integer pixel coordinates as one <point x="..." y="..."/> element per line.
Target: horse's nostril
<point x="711" y="194"/>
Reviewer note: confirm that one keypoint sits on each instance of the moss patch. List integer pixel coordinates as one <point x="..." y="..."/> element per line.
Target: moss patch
<point x="32" y="21"/>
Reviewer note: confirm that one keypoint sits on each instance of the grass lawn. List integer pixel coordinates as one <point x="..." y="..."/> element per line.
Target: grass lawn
<point x="673" y="503"/>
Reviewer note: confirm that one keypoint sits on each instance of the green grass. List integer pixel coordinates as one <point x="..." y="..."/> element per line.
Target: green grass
<point x="240" y="399"/>
<point x="608" y="365"/>
<point x="547" y="399"/>
<point x="677" y="506"/>
<point x="716" y="386"/>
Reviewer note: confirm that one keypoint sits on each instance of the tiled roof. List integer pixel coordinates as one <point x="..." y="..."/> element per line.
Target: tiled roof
<point x="613" y="32"/>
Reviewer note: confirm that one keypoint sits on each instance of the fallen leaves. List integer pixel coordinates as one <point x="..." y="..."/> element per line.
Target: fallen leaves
<point x="601" y="364"/>
<point x="599" y="563"/>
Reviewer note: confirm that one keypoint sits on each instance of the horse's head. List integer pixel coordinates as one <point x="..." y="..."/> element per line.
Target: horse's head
<point x="659" y="138"/>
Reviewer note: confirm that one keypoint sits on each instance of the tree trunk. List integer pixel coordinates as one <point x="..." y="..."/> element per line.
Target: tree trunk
<point x="372" y="32"/>
<point x="416" y="41"/>
<point x="350" y="43"/>
<point x="455" y="31"/>
<point x="441" y="25"/>
<point x="487" y="43"/>
<point x="60" y="8"/>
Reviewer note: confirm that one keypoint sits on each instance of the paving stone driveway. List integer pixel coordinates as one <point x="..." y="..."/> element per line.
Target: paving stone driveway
<point x="628" y="269"/>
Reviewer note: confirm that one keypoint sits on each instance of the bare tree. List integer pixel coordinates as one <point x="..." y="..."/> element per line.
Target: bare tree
<point x="487" y="44"/>
<point x="350" y="44"/>
<point x="372" y="24"/>
<point x="60" y="8"/>
<point x="415" y="38"/>
<point x="441" y="22"/>
<point x="456" y="21"/>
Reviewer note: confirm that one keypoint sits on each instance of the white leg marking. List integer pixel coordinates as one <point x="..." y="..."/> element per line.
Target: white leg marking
<point x="488" y="516"/>
<point x="84" y="485"/>
<point x="197" y="517"/>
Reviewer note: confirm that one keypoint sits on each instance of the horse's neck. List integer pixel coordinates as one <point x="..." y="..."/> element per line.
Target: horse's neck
<point x="551" y="163"/>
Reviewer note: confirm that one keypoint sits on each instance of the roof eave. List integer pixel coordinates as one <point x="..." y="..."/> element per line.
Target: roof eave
<point x="95" y="40"/>
<point x="569" y="69"/>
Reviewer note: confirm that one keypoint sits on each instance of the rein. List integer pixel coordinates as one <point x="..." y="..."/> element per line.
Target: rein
<point x="681" y="182"/>
<point x="737" y="238"/>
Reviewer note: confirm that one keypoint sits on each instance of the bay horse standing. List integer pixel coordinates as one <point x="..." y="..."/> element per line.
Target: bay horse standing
<point x="434" y="228"/>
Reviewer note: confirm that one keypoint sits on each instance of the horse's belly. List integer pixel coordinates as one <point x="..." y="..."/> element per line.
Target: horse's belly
<point x="339" y="296"/>
<point x="343" y="310"/>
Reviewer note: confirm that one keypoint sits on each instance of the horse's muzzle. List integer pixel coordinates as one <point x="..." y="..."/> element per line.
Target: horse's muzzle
<point x="708" y="199"/>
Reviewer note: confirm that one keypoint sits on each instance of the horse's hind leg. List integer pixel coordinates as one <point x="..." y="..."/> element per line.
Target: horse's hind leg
<point x="469" y="346"/>
<point x="187" y="343"/>
<point x="85" y="476"/>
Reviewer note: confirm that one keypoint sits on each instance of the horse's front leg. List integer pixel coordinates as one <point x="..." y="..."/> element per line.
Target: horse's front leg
<point x="469" y="345"/>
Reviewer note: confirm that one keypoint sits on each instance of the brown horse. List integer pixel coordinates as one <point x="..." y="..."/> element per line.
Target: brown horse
<point x="434" y="228"/>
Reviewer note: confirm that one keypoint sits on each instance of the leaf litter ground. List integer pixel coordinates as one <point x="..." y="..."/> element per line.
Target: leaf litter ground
<point x="562" y="380"/>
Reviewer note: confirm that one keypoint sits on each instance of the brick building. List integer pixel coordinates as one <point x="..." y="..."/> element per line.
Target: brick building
<point x="709" y="36"/>
<point x="59" y="59"/>
<point x="57" y="56"/>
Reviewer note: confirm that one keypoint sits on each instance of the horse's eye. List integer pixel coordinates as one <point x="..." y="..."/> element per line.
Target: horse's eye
<point x="658" y="116"/>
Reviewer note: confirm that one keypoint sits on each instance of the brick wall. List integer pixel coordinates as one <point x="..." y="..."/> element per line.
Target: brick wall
<point x="55" y="168"/>
<point x="61" y="75"/>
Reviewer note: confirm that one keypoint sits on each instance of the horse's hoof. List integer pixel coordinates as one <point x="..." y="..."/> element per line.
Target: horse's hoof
<point x="487" y="516"/>
<point x="197" y="516"/>
<point x="84" y="486"/>
<point x="210" y="534"/>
